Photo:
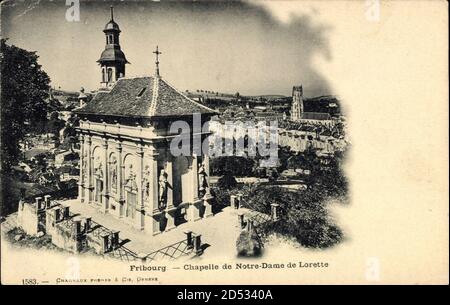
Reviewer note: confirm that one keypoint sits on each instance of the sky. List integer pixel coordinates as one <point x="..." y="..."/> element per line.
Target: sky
<point x="219" y="46"/>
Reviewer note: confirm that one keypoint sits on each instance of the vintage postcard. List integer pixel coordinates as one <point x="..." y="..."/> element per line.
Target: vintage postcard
<point x="224" y="142"/>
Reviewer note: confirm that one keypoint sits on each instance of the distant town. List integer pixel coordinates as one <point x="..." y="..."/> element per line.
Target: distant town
<point x="50" y="158"/>
<point x="97" y="172"/>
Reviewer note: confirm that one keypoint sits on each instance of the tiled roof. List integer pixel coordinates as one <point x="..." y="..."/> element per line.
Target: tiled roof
<point x="143" y="97"/>
<point x="315" y="116"/>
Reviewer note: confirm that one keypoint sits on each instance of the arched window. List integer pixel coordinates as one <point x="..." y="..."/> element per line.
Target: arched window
<point x="109" y="75"/>
<point x="103" y="75"/>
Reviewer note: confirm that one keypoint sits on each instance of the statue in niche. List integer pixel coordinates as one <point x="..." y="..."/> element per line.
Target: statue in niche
<point x="162" y="202"/>
<point x="114" y="174"/>
<point x="202" y="179"/>
<point x="99" y="168"/>
<point x="146" y="183"/>
<point x="131" y="180"/>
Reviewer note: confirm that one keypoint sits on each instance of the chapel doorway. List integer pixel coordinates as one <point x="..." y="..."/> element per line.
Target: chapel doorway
<point x="182" y="180"/>
<point x="131" y="199"/>
<point x="98" y="190"/>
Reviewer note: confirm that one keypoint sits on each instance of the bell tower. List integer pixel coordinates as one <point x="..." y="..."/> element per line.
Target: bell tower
<point x="297" y="103"/>
<point x="112" y="60"/>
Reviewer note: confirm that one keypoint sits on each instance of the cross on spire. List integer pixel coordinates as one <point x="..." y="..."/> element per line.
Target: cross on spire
<point x="157" y="53"/>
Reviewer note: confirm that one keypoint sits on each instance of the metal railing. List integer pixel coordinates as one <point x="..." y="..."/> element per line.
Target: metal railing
<point x="263" y="224"/>
<point x="123" y="254"/>
<point x="171" y="252"/>
<point x="97" y="230"/>
<point x="260" y="218"/>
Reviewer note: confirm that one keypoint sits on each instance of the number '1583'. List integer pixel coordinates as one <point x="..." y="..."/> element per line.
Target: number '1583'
<point x="29" y="282"/>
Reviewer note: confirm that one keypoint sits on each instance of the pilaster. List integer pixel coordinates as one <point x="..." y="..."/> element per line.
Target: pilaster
<point x="89" y="178"/>
<point x="120" y="171"/>
<point x="140" y="211"/>
<point x="171" y="210"/>
<point x="105" y="203"/>
<point x="81" y="193"/>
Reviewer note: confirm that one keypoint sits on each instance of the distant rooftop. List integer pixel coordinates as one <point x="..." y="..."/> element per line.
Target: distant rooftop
<point x="319" y="116"/>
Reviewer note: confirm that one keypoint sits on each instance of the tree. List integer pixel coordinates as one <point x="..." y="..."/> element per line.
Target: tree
<point x="311" y="162"/>
<point x="25" y="87"/>
<point x="55" y="124"/>
<point x="331" y="180"/>
<point x="70" y="133"/>
<point x="273" y="174"/>
<point x="227" y="181"/>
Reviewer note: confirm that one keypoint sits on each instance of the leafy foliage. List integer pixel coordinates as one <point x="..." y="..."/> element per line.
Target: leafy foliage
<point x="54" y="125"/>
<point x="227" y="181"/>
<point x="304" y="215"/>
<point x="221" y="197"/>
<point x="329" y="178"/>
<point x="70" y="134"/>
<point x="25" y="87"/>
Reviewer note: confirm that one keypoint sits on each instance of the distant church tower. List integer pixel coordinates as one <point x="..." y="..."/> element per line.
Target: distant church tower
<point x="297" y="103"/>
<point x="112" y="61"/>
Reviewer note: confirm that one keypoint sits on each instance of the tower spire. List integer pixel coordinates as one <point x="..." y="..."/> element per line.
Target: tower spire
<point x="112" y="60"/>
<point x="157" y="53"/>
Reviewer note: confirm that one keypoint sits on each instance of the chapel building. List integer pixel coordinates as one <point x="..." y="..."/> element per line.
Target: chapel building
<point x="127" y="168"/>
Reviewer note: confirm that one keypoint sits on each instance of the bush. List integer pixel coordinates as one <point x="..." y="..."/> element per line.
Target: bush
<point x="221" y="196"/>
<point x="307" y="220"/>
<point x="303" y="214"/>
<point x="331" y="180"/>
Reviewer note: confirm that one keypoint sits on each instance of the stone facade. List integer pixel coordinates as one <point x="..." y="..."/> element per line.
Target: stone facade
<point x="130" y="173"/>
<point x="67" y="231"/>
<point x="31" y="216"/>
